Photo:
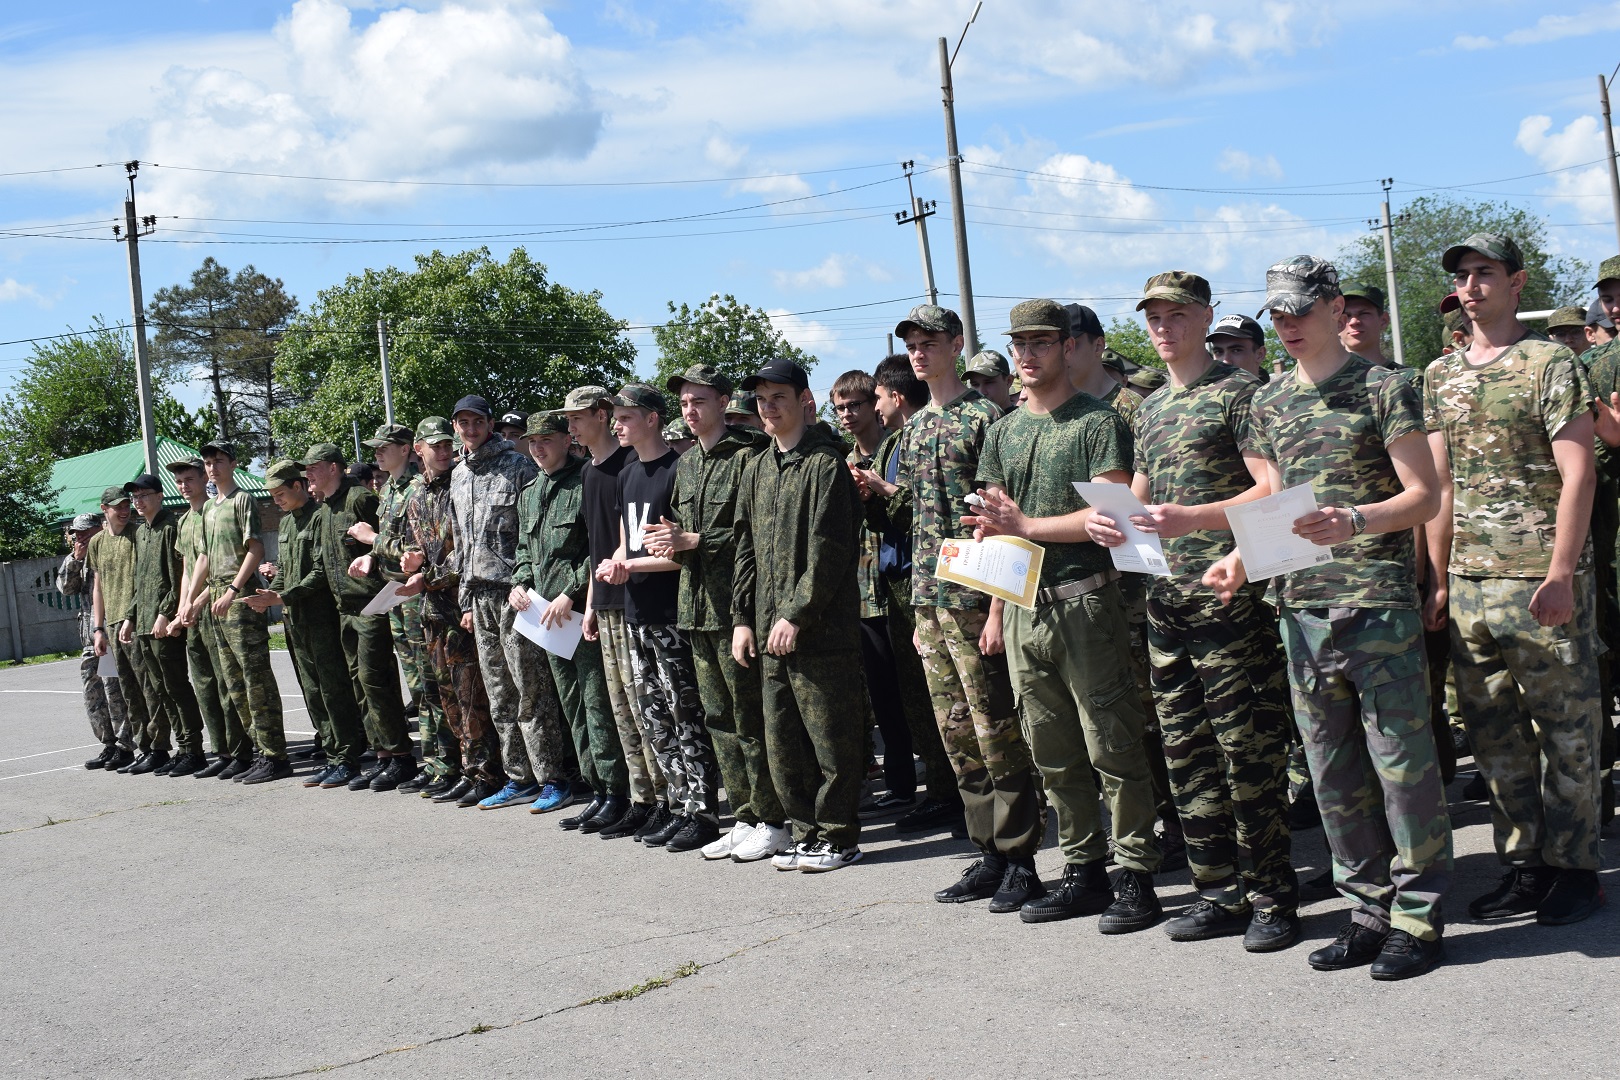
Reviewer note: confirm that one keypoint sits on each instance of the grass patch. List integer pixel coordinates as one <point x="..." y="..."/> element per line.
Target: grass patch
<point x="691" y="967"/>
<point x="44" y="658"/>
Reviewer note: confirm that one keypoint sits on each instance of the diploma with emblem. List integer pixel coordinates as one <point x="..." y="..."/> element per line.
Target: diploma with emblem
<point x="1006" y="567"/>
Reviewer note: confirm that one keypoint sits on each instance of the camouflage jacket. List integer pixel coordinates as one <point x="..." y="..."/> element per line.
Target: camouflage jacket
<point x="867" y="579"/>
<point x="391" y="538"/>
<point x="1499" y="420"/>
<point x="1602" y="365"/>
<point x="431" y="526"/>
<point x="335" y="549"/>
<point x="554" y="551"/>
<point x="301" y="584"/>
<point x="939" y="459"/>
<point x="484" y="489"/>
<point x="797" y="529"/>
<point x="705" y="502"/>
<point x="75" y="579"/>
<point x="157" y="572"/>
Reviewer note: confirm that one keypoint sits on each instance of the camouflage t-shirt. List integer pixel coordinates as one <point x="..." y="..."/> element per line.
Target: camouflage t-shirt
<point x="939" y="459"/>
<point x="1335" y="436"/>
<point x="228" y="525"/>
<point x="190" y="537"/>
<point x="1037" y="457"/>
<point x="1189" y="444"/>
<point x="1499" y="420"/>
<point x="1602" y="365"/>
<point x="1127" y="403"/>
<point x="112" y="556"/>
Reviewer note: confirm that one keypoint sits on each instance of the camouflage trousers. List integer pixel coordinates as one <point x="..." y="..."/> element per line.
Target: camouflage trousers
<point x="242" y="644"/>
<point x="1361" y="695"/>
<point x="647" y="784"/>
<point x="454" y="656"/>
<point x="368" y="648"/>
<point x="137" y="720"/>
<point x="1083" y="717"/>
<point x="315" y="643"/>
<point x="219" y="715"/>
<point x="169" y="693"/>
<point x="1221" y="690"/>
<point x="980" y="735"/>
<point x="582" y="690"/>
<point x="103" y="701"/>
<point x="734" y="714"/>
<point x="939" y="782"/>
<point x="1529" y="695"/>
<point x="816" y="742"/>
<point x="523" y="702"/>
<point x="672" y="719"/>
<point x="437" y="741"/>
<point x="1133" y="588"/>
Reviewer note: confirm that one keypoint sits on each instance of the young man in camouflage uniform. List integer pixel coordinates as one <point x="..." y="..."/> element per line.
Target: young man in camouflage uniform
<point x="1218" y="675"/>
<point x="701" y="535"/>
<point x="1567" y="326"/>
<point x="431" y="560"/>
<point x="1068" y="655"/>
<point x="554" y="559"/>
<point x="989" y="373"/>
<point x="1352" y="628"/>
<point x="1510" y="424"/>
<point x="956" y="627"/>
<point x="110" y="556"/>
<point x="1602" y="364"/>
<point x="796" y="613"/>
<point x="1238" y="341"/>
<point x="1365" y="322"/>
<point x="103" y="700"/>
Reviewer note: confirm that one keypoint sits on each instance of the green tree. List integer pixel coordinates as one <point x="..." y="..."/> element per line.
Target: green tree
<point x="735" y="338"/>
<point x="1431" y="223"/>
<point x="174" y="420"/>
<point x="1130" y="339"/>
<point x="458" y="324"/>
<point x="76" y="396"/>
<point x="28" y="511"/>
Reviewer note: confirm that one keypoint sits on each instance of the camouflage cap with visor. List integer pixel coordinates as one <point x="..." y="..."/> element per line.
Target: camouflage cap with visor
<point x="1119" y="362"/>
<point x="1295" y="285"/>
<point x="434" y="429"/>
<point x="1176" y="286"/>
<point x="1033" y="316"/>
<point x="932" y="318"/>
<point x="1148" y="378"/>
<point x="85" y="522"/>
<point x="282" y="473"/>
<point x="114" y="495"/>
<point x="185" y="463"/>
<point x="641" y="396"/>
<point x="1608" y="270"/>
<point x="1370" y="293"/>
<point x="677" y="430"/>
<point x="585" y="398"/>
<point x="1491" y="245"/>
<point x="743" y="404"/>
<point x="330" y="453"/>
<point x="390" y="435"/>
<point x="989" y="364"/>
<point x="701" y="375"/>
<point x="1567" y="316"/>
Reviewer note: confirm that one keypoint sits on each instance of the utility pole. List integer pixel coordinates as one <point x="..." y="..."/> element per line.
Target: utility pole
<point x="130" y="232"/>
<point x="388" y="382"/>
<point x="1608" y="134"/>
<point x="357" y="455"/>
<point x="920" y="213"/>
<point x="1389" y="276"/>
<point x="964" y="277"/>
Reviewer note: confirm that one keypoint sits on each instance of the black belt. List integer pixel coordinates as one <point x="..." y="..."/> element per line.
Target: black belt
<point x="1076" y="588"/>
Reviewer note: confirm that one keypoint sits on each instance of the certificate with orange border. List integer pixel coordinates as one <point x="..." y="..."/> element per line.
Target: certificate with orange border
<point x="1006" y="567"/>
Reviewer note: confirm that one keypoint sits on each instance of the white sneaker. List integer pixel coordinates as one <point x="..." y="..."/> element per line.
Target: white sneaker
<point x="724" y="846"/>
<point x="788" y="857"/>
<point x="763" y="841"/>
<point x="821" y="857"/>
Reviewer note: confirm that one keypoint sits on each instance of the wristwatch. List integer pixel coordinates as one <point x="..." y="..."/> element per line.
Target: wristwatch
<point x="1358" y="521"/>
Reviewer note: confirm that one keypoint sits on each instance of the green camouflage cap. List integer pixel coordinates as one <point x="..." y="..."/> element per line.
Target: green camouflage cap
<point x="676" y="430"/>
<point x="1032" y="315"/>
<point x="1490" y="245"/>
<point x="1176" y="286"/>
<point x="743" y="404"/>
<point x="549" y="422"/>
<point x="221" y="446"/>
<point x="1608" y="270"/>
<point x="390" y="434"/>
<point x="324" y="451"/>
<point x="85" y="522"/>
<point x="932" y="318"/>
<point x="703" y="375"/>
<point x="1370" y="293"/>
<point x="1119" y="363"/>
<point x="641" y="396"/>
<point x="432" y="429"/>
<point x="1295" y="285"/>
<point x="1455" y="319"/>
<point x="1148" y="378"/>
<point x="1567" y="316"/>
<point x="114" y="495"/>
<point x="185" y="463"/>
<point x="583" y="398"/>
<point x="989" y="363"/>
<point x="282" y="473"/>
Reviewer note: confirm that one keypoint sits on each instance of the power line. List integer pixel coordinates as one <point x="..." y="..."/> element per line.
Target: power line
<point x="547" y="184"/>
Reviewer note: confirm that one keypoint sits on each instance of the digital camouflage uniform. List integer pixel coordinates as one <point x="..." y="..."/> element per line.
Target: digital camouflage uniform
<point x="452" y="650"/>
<point x="939" y="460"/>
<point x="705" y="502"/>
<point x="111" y="557"/>
<point x="1070" y="663"/>
<point x="1219" y="680"/>
<point x="220" y="719"/>
<point x="1529" y="693"/>
<point x="1352" y="632"/>
<point x="242" y="635"/>
<point x="170" y="700"/>
<point x="797" y="530"/>
<point x="103" y="699"/>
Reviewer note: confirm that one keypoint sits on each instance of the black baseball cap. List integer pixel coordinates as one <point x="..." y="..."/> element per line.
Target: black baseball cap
<point x="146" y="481"/>
<point x="472" y="403"/>
<point x="781" y="370"/>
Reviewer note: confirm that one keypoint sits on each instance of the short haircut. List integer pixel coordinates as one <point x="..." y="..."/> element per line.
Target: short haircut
<point x="183" y="467"/>
<point x="895" y="375"/>
<point x="854" y="384"/>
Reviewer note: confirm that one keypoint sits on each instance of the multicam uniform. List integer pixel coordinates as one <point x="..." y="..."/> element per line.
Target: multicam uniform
<point x="405" y="621"/>
<point x="103" y="699"/>
<point x="170" y="700"/>
<point x="111" y="557"/>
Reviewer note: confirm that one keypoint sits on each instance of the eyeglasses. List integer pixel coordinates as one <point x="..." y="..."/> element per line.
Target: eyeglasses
<point x="852" y="406"/>
<point x="1038" y="347"/>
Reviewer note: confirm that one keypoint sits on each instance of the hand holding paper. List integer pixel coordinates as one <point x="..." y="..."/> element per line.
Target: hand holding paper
<point x="561" y="638"/>
<point x="1264" y="530"/>
<point x="1141" y="552"/>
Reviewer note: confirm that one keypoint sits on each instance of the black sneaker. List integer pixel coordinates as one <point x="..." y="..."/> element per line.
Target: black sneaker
<point x="108" y="753"/>
<point x="135" y="759"/>
<point x="187" y="764"/>
<point x="439" y="785"/>
<point x="120" y="761"/>
<point x="656" y="821"/>
<point x="1019" y="885"/>
<point x="929" y="814"/>
<point x="633" y="819"/>
<point x="260" y="766"/>
<point x="166" y="768"/>
<point x="663" y="836"/>
<point x="236" y="768"/>
<point x="481" y="790"/>
<point x="1084" y="891"/>
<point x="588" y="811"/>
<point x="314" y="779"/>
<point x="978" y="882"/>
<point x="362" y="781"/>
<point x="1135" y="907"/>
<point x="888" y="803"/>
<point x="1575" y="894"/>
<point x="269" y="769"/>
<point x="400" y="768"/>
<point x="214" y="768"/>
<point x="1270" y="931"/>
<point x="693" y="834"/>
<point x="1172" y="853"/>
<point x="614" y="807"/>
<point x="1356" y="945"/>
<point x="338" y="776"/>
<point x="455" y="791"/>
<point x="1406" y="957"/>
<point x="149" y="762"/>
<point x="1520" y="892"/>
<point x="1205" y="920"/>
<point x="418" y="783"/>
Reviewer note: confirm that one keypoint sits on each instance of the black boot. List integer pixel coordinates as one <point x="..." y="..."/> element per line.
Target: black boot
<point x="1521" y="891"/>
<point x="1019" y="885"/>
<point x="1135" y="907"/>
<point x="455" y="791"/>
<point x="1083" y="891"/>
<point x="1355" y="945"/>
<point x="612" y="810"/>
<point x="629" y="823"/>
<point x="588" y="811"/>
<point x="1406" y="957"/>
<point x="978" y="882"/>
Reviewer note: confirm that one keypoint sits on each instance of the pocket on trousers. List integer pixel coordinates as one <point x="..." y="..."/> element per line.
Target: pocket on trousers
<point x="1117" y="735"/>
<point x="1395" y="691"/>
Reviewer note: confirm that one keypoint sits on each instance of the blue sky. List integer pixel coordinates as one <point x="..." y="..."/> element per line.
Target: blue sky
<point x="1104" y="142"/>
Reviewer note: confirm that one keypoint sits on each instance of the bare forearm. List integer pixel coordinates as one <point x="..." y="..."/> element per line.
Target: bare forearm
<point x="1574" y="519"/>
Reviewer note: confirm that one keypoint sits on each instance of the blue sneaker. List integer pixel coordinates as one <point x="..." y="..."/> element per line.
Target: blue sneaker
<point x="553" y="796"/>
<point x="513" y="792"/>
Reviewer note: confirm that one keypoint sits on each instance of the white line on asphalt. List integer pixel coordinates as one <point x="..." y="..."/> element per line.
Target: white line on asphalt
<point x="41" y="772"/>
<point x="75" y="693"/>
<point x="48" y="753"/>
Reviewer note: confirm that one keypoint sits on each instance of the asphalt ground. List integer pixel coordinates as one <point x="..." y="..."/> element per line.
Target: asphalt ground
<point x="156" y="927"/>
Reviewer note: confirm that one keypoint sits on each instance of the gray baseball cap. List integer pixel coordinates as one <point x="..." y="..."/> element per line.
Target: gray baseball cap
<point x="1295" y="285"/>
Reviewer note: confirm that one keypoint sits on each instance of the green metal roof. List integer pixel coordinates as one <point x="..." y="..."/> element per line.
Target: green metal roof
<point x="82" y="479"/>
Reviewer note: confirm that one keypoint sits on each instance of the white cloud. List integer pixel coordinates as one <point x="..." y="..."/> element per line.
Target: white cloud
<point x="833" y="272"/>
<point x="774" y="185"/>
<point x="1594" y="20"/>
<point x="1242" y="164"/>
<point x="1580" y="141"/>
<point x="12" y="290"/>
<point x="808" y="334"/>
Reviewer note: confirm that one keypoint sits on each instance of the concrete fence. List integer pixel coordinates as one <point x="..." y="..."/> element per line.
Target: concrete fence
<point x="35" y="618"/>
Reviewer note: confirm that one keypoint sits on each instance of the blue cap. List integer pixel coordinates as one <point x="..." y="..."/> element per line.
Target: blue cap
<point x="782" y="371"/>
<point x="472" y="403"/>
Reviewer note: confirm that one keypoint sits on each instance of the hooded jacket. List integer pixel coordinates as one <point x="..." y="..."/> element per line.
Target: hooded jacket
<point x="554" y="552"/>
<point x="484" y="489"/>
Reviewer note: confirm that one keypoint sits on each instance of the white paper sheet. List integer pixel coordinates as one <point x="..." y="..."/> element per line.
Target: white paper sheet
<point x="1264" y="530"/>
<point x="107" y="664"/>
<point x="1141" y="553"/>
<point x="561" y="639"/>
<point x="386" y="600"/>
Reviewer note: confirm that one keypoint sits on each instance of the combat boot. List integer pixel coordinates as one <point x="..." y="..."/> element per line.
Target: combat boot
<point x="108" y="753"/>
<point x="1575" y="894"/>
<point x="1135" y="907"/>
<point x="1521" y="891"/>
<point x="1355" y="945"/>
<point x="979" y="881"/>
<point x="1084" y="891"/>
<point x="632" y="819"/>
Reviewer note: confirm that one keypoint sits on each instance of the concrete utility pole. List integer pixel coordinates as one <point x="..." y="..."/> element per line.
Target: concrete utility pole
<point x="964" y="276"/>
<point x="130" y="232"/>
<point x="388" y="382"/>
<point x="920" y="213"/>
<point x="1614" y="167"/>
<point x="1389" y="277"/>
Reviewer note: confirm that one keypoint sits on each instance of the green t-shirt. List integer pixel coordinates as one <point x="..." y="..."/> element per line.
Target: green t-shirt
<point x="191" y="537"/>
<point x="1189" y="444"/>
<point x="1335" y="436"/>
<point x="228" y="525"/>
<point x="112" y="556"/>
<point x="1037" y="457"/>
<point x="939" y="459"/>
<point x="1499" y="420"/>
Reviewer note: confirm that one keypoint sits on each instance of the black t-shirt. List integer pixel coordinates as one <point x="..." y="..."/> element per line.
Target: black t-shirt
<point x="601" y="499"/>
<point x="644" y="491"/>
